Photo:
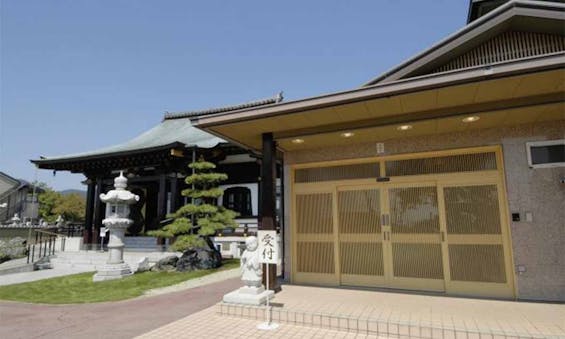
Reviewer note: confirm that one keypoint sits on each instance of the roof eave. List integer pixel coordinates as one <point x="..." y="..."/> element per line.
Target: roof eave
<point x="415" y="84"/>
<point x="495" y="17"/>
<point x="40" y="162"/>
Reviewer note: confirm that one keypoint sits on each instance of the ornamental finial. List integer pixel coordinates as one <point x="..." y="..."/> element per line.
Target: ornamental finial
<point x="120" y="182"/>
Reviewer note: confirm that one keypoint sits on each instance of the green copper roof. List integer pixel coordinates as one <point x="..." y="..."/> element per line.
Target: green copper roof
<point x="174" y="129"/>
<point x="167" y="132"/>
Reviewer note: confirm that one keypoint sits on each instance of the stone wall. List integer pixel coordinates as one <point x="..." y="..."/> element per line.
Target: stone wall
<point x="539" y="245"/>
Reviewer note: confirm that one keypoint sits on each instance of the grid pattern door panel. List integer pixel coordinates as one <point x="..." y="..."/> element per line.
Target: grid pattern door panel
<point x="415" y="227"/>
<point x="445" y="164"/>
<point x="359" y="225"/>
<point x="472" y="209"/>
<point x="474" y="234"/>
<point x="359" y="212"/>
<point x="314" y="213"/>
<point x="314" y="230"/>
<point x="340" y="172"/>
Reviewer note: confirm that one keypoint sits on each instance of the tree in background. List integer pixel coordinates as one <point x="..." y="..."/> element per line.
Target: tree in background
<point x="71" y="206"/>
<point x="52" y="204"/>
<point x="47" y="202"/>
<point x="207" y="215"/>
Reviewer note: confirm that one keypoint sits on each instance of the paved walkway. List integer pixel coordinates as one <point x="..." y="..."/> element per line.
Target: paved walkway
<point x="506" y="318"/>
<point x="13" y="263"/>
<point x="122" y="319"/>
<point x="208" y="324"/>
<point x="197" y="282"/>
<point x="17" y="278"/>
<point x="313" y="312"/>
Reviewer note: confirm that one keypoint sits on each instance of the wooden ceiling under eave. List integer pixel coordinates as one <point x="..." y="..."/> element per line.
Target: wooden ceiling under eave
<point x="522" y="98"/>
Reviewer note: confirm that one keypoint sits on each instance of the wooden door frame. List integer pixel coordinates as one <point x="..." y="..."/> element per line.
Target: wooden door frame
<point x="441" y="180"/>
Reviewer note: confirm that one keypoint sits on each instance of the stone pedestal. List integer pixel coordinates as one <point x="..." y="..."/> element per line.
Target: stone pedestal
<point x="249" y="296"/>
<point x="253" y="293"/>
<point x="115" y="267"/>
<point x="112" y="271"/>
<point x="117" y="221"/>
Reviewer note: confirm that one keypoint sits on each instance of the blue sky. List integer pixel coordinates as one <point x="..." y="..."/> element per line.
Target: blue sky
<point x="77" y="75"/>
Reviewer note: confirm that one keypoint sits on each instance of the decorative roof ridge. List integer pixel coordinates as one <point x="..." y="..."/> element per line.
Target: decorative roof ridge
<point x="189" y="114"/>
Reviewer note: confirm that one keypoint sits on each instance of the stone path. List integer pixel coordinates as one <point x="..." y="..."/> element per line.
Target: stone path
<point x="122" y="319"/>
<point x="16" y="278"/>
<point x="192" y="283"/>
<point x="13" y="263"/>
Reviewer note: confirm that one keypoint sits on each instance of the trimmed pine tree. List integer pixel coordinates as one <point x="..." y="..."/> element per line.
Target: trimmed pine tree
<point x="208" y="216"/>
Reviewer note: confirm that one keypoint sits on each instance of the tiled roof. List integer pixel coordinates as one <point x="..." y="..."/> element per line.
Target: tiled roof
<point x="189" y="114"/>
<point x="175" y="127"/>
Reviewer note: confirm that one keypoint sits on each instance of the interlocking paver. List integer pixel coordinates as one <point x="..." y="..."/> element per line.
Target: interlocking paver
<point x="232" y="327"/>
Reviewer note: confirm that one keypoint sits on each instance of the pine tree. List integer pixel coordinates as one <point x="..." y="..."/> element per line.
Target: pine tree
<point x="208" y="217"/>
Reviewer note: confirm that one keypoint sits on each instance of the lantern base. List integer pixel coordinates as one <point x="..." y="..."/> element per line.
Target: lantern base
<point x="112" y="271"/>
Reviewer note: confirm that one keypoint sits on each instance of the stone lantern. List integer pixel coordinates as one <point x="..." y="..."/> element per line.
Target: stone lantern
<point x="117" y="221"/>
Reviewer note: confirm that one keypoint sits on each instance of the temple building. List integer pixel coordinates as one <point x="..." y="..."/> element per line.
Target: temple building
<point x="445" y="174"/>
<point x="156" y="163"/>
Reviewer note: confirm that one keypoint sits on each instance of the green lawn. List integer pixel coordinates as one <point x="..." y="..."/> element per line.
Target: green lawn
<point x="79" y="288"/>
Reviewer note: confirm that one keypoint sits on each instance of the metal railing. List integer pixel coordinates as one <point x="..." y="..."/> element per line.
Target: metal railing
<point x="70" y="230"/>
<point x="244" y="229"/>
<point x="44" y="245"/>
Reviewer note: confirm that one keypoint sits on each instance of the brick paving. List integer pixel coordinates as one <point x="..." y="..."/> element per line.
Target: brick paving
<point x="121" y="319"/>
<point x="302" y="312"/>
<point x="208" y="324"/>
<point x="311" y="312"/>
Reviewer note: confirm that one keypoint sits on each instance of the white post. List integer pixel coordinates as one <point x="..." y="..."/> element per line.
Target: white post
<point x="268" y="311"/>
<point x="269" y="255"/>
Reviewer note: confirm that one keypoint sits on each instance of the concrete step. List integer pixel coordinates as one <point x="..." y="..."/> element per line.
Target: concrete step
<point x="17" y="269"/>
<point x="92" y="260"/>
<point x="15" y="266"/>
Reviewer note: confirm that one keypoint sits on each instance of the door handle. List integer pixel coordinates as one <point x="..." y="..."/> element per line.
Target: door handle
<point x="385" y="219"/>
<point x="442" y="236"/>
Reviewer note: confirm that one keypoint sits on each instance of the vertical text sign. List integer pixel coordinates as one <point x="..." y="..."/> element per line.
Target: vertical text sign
<point x="268" y="247"/>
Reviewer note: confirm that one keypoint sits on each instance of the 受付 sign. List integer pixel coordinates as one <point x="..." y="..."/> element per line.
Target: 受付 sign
<point x="268" y="247"/>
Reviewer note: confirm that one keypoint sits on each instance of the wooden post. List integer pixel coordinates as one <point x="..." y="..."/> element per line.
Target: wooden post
<point x="89" y="213"/>
<point x="162" y="199"/>
<point x="174" y="193"/>
<point x="98" y="212"/>
<point x="267" y="215"/>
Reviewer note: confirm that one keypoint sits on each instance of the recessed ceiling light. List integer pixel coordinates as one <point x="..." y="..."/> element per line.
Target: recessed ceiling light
<point x="347" y="134"/>
<point x="297" y="141"/>
<point x="472" y="118"/>
<point x="404" y="127"/>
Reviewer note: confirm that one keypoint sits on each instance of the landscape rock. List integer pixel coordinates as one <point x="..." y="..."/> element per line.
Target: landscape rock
<point x="199" y="259"/>
<point x="14" y="248"/>
<point x="42" y="264"/>
<point x="166" y="264"/>
<point x="143" y="265"/>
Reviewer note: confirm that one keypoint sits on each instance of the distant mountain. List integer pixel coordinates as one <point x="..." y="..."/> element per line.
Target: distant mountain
<point x="74" y="191"/>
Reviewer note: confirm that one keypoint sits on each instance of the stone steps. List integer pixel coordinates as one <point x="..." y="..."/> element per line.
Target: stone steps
<point x="92" y="260"/>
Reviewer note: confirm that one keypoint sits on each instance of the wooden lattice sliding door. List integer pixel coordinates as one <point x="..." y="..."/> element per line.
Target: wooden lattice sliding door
<point x="361" y="258"/>
<point x="315" y="239"/>
<point x="477" y="246"/>
<point x="414" y="236"/>
<point x="438" y="223"/>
